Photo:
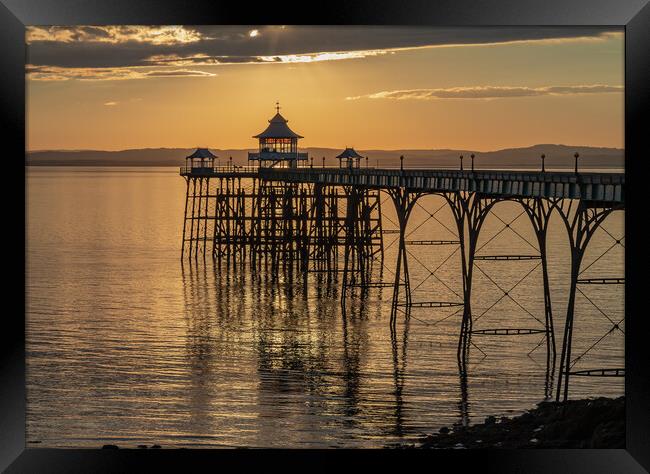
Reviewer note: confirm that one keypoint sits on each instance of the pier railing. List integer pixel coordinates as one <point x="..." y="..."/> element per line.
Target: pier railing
<point x="247" y="171"/>
<point x="277" y="156"/>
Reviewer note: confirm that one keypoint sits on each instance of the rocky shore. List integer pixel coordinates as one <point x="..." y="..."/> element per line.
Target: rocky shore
<point x="591" y="423"/>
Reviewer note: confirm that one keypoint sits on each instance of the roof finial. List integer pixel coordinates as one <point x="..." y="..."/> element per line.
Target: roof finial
<point x="277" y="106"/>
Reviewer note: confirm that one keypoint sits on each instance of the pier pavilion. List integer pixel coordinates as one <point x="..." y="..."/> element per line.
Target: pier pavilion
<point x="278" y="144"/>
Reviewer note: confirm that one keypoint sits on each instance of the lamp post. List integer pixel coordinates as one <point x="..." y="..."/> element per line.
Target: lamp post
<point x="472" y="157"/>
<point x="311" y="165"/>
<point x="401" y="162"/>
<point x="576" y="155"/>
<point x="231" y="163"/>
<point x="543" y="156"/>
<point x="461" y="162"/>
<point x="323" y="162"/>
<point x="366" y="161"/>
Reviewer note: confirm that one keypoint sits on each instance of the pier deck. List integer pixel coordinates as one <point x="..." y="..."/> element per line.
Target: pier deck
<point x="601" y="187"/>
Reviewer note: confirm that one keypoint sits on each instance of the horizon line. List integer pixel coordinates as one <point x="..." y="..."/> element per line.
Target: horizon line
<point x="324" y="147"/>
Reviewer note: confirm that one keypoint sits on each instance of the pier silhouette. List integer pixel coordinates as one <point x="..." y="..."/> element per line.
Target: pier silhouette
<point x="289" y="217"/>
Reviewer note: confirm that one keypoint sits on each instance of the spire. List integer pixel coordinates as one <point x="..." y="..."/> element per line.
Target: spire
<point x="277" y="127"/>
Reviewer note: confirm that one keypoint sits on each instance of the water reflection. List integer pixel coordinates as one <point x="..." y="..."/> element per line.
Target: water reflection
<point x="463" y="404"/>
<point x="399" y="372"/>
<point x="311" y="360"/>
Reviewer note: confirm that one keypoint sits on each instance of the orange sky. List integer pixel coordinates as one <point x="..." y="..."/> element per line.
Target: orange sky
<point x="115" y="88"/>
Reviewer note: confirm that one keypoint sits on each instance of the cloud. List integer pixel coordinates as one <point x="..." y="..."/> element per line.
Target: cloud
<point x="110" y="104"/>
<point x="488" y="92"/>
<point x="41" y="73"/>
<point x="157" y="35"/>
<point x="49" y="73"/>
<point x="179" y="73"/>
<point x="86" y="47"/>
<point x="204" y="60"/>
<point x="333" y="56"/>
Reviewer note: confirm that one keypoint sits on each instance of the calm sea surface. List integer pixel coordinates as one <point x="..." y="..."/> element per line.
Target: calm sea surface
<point x="126" y="346"/>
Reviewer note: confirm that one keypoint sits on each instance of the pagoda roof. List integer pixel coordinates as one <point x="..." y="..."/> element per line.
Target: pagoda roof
<point x="278" y="128"/>
<point x="349" y="153"/>
<point x="201" y="153"/>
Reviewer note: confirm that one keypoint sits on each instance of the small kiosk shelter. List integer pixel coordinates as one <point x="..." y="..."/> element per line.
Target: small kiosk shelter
<point x="349" y="158"/>
<point x="201" y="160"/>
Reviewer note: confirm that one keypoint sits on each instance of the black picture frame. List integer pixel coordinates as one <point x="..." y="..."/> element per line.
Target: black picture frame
<point x="633" y="15"/>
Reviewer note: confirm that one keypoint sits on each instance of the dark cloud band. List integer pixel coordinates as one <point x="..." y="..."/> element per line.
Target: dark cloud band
<point x="128" y="46"/>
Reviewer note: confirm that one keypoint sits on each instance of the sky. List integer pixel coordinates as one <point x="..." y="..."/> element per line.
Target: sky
<point x="125" y="87"/>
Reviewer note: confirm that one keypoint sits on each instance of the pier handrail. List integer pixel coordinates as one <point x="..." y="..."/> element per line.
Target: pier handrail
<point x="549" y="176"/>
<point x="216" y="170"/>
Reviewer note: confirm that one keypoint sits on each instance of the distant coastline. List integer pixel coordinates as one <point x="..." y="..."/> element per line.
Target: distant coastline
<point x="557" y="156"/>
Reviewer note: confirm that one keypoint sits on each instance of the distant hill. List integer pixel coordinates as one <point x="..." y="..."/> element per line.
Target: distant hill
<point x="557" y="156"/>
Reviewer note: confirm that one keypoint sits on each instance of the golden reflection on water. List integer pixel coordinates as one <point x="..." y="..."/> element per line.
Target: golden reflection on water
<point x="127" y="346"/>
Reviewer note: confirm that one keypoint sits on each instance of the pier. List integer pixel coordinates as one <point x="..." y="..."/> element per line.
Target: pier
<point x="286" y="215"/>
